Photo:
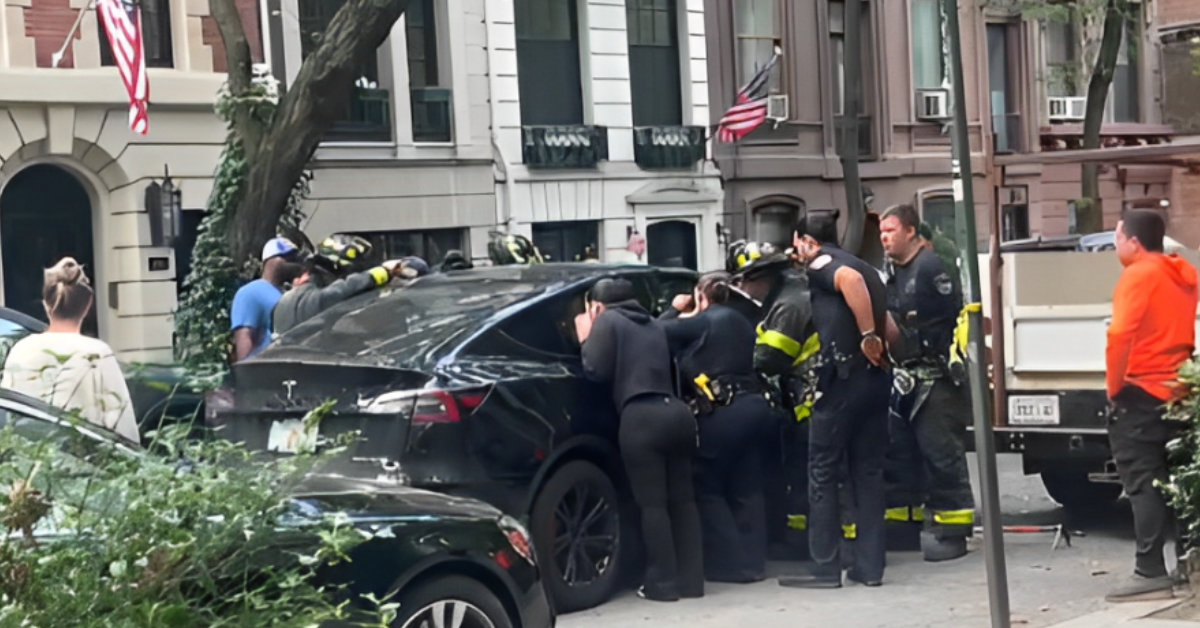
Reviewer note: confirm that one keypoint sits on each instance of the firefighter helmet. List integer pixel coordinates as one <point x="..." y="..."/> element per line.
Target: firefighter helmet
<point x="745" y="258"/>
<point x="341" y="252"/>
<point x="506" y="249"/>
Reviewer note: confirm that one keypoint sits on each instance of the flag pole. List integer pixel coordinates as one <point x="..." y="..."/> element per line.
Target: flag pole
<point x="56" y="58"/>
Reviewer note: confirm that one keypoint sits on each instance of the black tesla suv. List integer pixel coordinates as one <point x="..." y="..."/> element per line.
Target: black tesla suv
<point x="467" y="383"/>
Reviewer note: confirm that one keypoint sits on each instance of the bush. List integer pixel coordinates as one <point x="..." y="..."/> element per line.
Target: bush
<point x="199" y="537"/>
<point x="1184" y="488"/>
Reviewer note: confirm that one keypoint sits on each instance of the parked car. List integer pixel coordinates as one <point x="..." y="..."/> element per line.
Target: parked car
<point x="157" y="390"/>
<point x="468" y="383"/>
<point x="443" y="557"/>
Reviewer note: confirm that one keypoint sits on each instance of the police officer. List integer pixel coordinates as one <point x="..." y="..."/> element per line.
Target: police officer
<point x="786" y="341"/>
<point x="927" y="459"/>
<point x="329" y="279"/>
<point x="849" y="419"/>
<point x="714" y="348"/>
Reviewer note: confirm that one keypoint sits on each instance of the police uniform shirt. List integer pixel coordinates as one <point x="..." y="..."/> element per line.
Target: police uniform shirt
<point x="924" y="299"/>
<point x="836" y="326"/>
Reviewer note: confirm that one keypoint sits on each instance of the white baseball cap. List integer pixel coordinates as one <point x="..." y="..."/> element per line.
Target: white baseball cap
<point x="276" y="247"/>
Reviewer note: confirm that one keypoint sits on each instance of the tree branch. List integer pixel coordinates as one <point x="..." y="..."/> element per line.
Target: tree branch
<point x="1091" y="219"/>
<point x="306" y="113"/>
<point x="238" y="65"/>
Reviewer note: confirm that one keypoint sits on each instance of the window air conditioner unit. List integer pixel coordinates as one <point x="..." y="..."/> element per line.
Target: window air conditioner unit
<point x="933" y="104"/>
<point x="1067" y="109"/>
<point x="777" y="107"/>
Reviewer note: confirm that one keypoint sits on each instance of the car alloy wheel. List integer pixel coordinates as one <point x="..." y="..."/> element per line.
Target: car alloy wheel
<point x="587" y="537"/>
<point x="576" y="528"/>
<point x="449" y="614"/>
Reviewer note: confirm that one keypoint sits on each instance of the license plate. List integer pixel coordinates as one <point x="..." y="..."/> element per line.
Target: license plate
<point x="1033" y="410"/>
<point x="290" y="437"/>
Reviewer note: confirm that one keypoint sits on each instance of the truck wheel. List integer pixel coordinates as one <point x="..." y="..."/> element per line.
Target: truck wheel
<point x="1074" y="490"/>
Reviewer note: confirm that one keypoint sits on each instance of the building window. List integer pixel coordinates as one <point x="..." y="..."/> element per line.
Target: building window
<point x="430" y="245"/>
<point x="757" y="30"/>
<point x="837" y="42"/>
<point x="549" y="80"/>
<point x="1002" y="87"/>
<point x="937" y="211"/>
<point x="365" y="117"/>
<point x="928" y="45"/>
<point x="156" y="36"/>
<point x="428" y="80"/>
<point x="1062" y="58"/>
<point x="775" y="222"/>
<point x="573" y="241"/>
<point x="653" y="29"/>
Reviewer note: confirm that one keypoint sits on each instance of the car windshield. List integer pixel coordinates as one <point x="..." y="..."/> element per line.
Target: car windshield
<point x="410" y="327"/>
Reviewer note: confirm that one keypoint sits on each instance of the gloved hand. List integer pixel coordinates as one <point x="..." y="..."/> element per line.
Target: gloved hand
<point x="958" y="347"/>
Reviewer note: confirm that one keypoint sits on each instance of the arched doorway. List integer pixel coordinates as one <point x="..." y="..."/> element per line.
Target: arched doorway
<point x="672" y="243"/>
<point x="45" y="215"/>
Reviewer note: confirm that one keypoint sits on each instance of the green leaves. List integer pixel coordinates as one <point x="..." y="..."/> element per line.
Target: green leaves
<point x="1183" y="489"/>
<point x="142" y="542"/>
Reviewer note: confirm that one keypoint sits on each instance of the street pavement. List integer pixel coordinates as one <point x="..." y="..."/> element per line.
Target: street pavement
<point x="1045" y="587"/>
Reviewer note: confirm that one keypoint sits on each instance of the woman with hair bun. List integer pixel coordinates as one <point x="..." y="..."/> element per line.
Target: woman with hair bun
<point x="67" y="369"/>
<point x="713" y="346"/>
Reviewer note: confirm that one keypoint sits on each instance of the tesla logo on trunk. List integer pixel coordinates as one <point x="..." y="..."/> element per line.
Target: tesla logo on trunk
<point x="289" y="384"/>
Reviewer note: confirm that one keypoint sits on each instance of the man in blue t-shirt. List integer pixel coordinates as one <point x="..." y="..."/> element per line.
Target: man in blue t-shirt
<point x="250" y="316"/>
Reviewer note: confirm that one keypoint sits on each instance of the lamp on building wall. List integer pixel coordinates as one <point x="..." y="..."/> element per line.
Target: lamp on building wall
<point x="164" y="202"/>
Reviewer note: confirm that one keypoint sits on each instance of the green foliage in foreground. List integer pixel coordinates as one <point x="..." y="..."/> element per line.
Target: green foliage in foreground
<point x="1184" y="488"/>
<point x="194" y="536"/>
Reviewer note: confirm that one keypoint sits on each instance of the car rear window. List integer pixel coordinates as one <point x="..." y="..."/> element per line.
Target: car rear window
<point x="410" y="327"/>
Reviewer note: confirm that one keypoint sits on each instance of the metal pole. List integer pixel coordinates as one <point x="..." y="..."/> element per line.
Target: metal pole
<point x="985" y="444"/>
<point x="57" y="57"/>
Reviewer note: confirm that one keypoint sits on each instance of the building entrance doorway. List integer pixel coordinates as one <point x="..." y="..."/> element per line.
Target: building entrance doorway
<point x="45" y="215"/>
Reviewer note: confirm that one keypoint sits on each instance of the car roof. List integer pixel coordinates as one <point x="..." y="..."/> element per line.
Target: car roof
<point x="22" y="319"/>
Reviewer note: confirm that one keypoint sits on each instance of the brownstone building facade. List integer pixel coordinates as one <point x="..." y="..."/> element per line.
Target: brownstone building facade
<point x="1024" y="85"/>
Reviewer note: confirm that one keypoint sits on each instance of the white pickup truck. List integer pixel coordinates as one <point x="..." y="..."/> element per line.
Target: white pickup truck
<point x="1057" y="302"/>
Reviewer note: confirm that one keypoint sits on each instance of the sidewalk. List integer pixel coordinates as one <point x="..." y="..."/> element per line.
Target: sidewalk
<point x="1129" y="615"/>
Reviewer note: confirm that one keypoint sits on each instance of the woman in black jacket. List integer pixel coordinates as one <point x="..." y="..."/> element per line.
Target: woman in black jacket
<point x="624" y="345"/>
<point x="714" y="348"/>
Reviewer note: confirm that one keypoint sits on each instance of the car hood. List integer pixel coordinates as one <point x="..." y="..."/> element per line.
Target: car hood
<point x="364" y="500"/>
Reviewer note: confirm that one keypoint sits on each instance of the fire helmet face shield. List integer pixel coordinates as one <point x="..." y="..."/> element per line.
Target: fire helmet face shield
<point x="507" y="249"/>
<point x="340" y="252"/>
<point x="747" y="258"/>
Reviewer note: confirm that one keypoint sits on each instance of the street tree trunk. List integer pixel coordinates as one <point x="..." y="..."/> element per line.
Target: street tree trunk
<point x="1090" y="212"/>
<point x="851" y="104"/>
<point x="278" y="152"/>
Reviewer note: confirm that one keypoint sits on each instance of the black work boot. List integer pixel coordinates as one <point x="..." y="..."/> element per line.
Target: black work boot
<point x="937" y="549"/>
<point x="815" y="577"/>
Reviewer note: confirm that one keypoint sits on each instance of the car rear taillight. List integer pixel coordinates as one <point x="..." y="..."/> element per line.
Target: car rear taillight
<point x="440" y="406"/>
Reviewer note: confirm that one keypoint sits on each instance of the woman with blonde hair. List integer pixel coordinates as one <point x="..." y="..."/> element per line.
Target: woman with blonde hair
<point x="65" y="368"/>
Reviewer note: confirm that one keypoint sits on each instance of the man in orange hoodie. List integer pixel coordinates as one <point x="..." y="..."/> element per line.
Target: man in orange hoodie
<point x="1152" y="333"/>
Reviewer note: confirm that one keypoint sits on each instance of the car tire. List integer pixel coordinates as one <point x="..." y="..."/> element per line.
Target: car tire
<point x="578" y="502"/>
<point x="431" y="603"/>
<point x="1074" y="490"/>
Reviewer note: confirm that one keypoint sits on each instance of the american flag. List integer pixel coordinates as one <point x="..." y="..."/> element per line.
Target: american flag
<point x="123" y="23"/>
<point x="749" y="108"/>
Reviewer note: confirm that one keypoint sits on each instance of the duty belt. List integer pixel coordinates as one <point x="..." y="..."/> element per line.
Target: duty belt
<point x="710" y="393"/>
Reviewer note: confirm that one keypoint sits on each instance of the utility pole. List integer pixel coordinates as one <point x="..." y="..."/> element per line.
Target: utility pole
<point x="985" y="443"/>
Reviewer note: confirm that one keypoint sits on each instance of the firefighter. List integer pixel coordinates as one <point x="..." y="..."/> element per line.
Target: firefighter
<point x="785" y="343"/>
<point x="927" y="458"/>
<point x="849" y="419"/>
<point x="329" y="279"/>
